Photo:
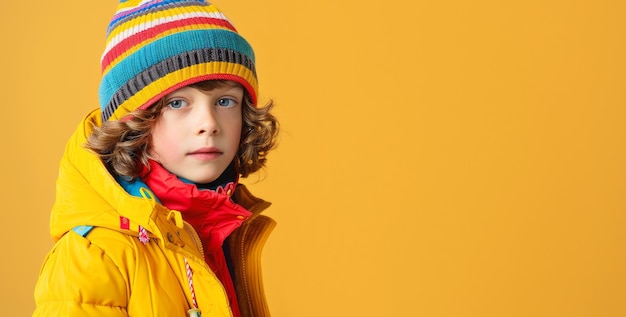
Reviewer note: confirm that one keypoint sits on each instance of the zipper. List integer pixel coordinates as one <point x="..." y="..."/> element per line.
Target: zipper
<point x="195" y="237"/>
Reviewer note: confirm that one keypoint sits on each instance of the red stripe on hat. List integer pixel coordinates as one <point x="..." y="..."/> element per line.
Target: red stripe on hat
<point x="153" y="32"/>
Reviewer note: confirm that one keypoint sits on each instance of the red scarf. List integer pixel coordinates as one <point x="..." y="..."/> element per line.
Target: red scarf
<point x="212" y="214"/>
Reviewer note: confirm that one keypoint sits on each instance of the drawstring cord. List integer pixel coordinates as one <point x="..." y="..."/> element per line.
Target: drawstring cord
<point x="194" y="312"/>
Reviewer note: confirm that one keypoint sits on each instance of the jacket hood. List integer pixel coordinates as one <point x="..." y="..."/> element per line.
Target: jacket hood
<point x="87" y="194"/>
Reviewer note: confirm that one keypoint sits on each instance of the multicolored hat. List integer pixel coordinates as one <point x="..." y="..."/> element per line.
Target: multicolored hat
<point x="155" y="47"/>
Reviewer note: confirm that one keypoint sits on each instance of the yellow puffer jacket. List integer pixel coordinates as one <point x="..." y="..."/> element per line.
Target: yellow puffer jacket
<point x="110" y="272"/>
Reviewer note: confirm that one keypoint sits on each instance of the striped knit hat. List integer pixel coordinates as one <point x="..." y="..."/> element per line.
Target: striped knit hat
<point x="155" y="47"/>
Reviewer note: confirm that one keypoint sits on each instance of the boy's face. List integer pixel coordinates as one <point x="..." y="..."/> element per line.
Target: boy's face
<point x="197" y="134"/>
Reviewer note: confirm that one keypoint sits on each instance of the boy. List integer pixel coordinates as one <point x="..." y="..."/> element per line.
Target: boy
<point x="149" y="218"/>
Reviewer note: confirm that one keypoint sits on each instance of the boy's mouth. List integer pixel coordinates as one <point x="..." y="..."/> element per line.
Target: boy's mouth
<point x="206" y="153"/>
<point x="207" y="150"/>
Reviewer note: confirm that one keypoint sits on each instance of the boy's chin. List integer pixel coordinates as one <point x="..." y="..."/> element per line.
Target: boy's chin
<point x="202" y="180"/>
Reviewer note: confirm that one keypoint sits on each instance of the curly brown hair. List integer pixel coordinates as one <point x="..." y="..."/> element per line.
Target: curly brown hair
<point x="123" y="145"/>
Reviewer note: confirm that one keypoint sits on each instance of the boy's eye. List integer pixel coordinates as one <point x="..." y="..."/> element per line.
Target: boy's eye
<point x="176" y="104"/>
<point x="226" y="102"/>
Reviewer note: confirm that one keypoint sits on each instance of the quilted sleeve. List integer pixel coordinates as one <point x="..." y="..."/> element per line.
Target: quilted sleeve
<point x="79" y="279"/>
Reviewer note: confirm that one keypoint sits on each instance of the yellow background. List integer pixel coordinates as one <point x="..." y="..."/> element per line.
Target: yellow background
<point x="437" y="158"/>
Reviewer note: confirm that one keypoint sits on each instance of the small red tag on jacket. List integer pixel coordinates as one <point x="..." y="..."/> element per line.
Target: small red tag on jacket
<point x="124" y="223"/>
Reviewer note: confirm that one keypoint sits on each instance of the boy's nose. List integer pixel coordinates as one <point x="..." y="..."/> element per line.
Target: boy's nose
<point x="208" y="123"/>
